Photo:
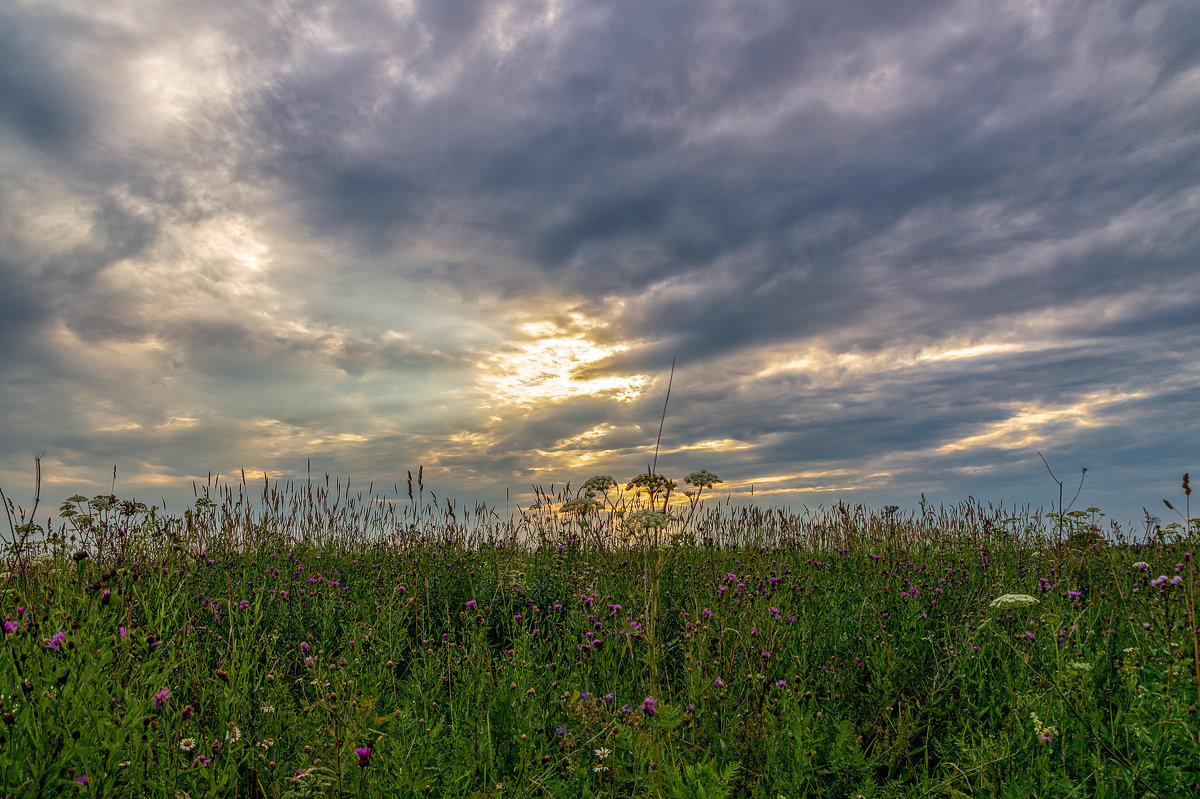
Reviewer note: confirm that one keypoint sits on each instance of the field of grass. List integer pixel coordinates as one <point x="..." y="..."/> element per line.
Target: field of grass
<point x="303" y="640"/>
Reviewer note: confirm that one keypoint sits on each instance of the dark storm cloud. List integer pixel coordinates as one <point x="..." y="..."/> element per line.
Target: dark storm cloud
<point x="39" y="99"/>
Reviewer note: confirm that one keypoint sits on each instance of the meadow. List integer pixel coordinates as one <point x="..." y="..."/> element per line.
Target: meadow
<point x="642" y="639"/>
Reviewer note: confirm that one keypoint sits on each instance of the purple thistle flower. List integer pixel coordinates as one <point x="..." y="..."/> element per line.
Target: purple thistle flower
<point x="161" y="697"/>
<point x="56" y="641"/>
<point x="719" y="682"/>
<point x="364" y="755"/>
<point x="10" y="626"/>
<point x="648" y="706"/>
<point x="82" y="780"/>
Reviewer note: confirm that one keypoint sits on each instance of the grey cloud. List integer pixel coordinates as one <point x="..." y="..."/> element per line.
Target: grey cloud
<point x="38" y="98"/>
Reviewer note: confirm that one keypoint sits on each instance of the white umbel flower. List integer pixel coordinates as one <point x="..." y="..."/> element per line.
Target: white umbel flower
<point x="1012" y="601"/>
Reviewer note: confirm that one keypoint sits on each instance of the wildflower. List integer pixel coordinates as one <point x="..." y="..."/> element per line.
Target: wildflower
<point x="598" y="484"/>
<point x="187" y="744"/>
<point x="82" y="780"/>
<point x="580" y="506"/>
<point x="161" y="697"/>
<point x="651" y="519"/>
<point x="268" y="708"/>
<point x="648" y="706"/>
<point x="602" y="753"/>
<point x="234" y="734"/>
<point x="1044" y="734"/>
<point x="364" y="755"/>
<point x="267" y="743"/>
<point x="781" y="684"/>
<point x="10" y="626"/>
<point x="186" y="715"/>
<point x="1012" y="600"/>
<point x="719" y="682"/>
<point x="599" y="767"/>
<point x="56" y="641"/>
<point x="201" y="760"/>
<point x="1141" y="565"/>
<point x="561" y="729"/>
<point x="702" y="479"/>
<point x="122" y="632"/>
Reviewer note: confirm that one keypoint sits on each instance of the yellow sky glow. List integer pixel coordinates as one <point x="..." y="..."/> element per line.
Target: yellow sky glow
<point x="1032" y="424"/>
<point x="543" y="370"/>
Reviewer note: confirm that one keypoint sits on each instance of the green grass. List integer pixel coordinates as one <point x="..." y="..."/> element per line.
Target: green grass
<point x="262" y="643"/>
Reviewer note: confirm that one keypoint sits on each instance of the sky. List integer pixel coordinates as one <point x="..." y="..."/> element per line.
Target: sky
<point x="893" y="248"/>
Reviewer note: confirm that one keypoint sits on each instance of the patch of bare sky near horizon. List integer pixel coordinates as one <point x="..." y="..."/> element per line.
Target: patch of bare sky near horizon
<point x="896" y="247"/>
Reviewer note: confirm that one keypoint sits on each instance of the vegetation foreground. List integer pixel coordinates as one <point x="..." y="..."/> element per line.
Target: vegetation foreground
<point x="306" y="641"/>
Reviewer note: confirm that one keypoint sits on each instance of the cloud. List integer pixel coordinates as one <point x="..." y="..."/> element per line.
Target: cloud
<point x="894" y="247"/>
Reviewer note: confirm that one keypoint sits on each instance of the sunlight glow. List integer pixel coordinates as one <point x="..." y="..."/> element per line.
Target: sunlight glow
<point x="592" y="435"/>
<point x="967" y="352"/>
<point x="1032" y="424"/>
<point x="544" y="369"/>
<point x="717" y="445"/>
<point x="820" y="361"/>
